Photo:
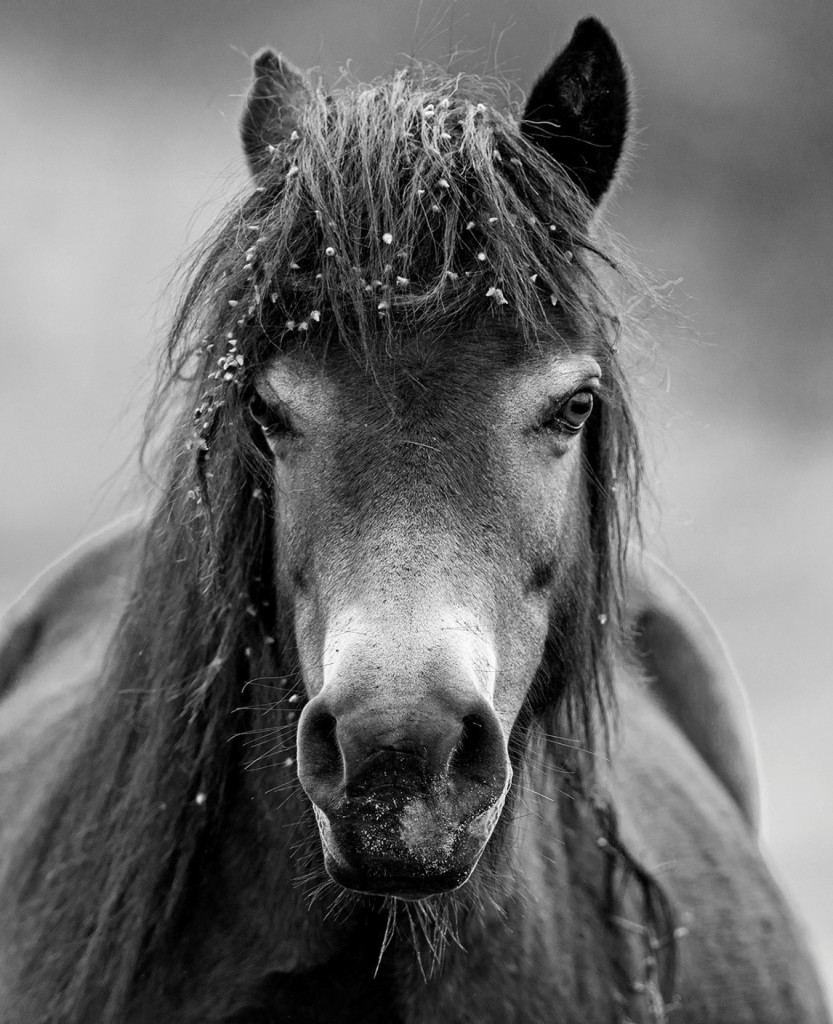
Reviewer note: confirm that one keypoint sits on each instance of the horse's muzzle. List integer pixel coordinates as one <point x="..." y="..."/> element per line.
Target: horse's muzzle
<point x="403" y="809"/>
<point x="407" y="845"/>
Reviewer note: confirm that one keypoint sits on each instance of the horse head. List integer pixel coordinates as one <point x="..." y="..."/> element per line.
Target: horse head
<point x="438" y="483"/>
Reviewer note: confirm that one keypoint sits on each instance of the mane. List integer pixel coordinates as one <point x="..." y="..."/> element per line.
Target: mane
<point x="404" y="207"/>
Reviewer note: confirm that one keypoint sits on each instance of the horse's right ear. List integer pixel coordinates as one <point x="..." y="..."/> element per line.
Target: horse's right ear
<point x="277" y="96"/>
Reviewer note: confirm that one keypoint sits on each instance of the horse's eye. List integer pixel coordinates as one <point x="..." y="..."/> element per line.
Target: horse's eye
<point x="572" y="414"/>
<point x="273" y="419"/>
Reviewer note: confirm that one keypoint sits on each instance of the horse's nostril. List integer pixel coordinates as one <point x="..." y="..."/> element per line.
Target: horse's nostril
<point x="470" y="753"/>
<point x="318" y="742"/>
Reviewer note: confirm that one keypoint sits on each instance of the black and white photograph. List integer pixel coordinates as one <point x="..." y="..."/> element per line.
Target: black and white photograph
<point x="416" y="546"/>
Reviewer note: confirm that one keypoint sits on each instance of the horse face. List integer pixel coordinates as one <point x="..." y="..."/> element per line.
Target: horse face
<point x="429" y="512"/>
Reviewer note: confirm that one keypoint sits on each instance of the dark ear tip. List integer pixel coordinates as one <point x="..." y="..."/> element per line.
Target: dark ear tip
<point x="266" y="61"/>
<point x="269" y="65"/>
<point x="591" y="34"/>
<point x="591" y="28"/>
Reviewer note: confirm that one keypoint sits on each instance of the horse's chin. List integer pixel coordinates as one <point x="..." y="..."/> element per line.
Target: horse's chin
<point x="409" y="850"/>
<point x="369" y="882"/>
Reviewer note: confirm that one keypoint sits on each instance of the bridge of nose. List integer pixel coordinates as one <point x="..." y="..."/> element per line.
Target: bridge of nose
<point x="398" y="660"/>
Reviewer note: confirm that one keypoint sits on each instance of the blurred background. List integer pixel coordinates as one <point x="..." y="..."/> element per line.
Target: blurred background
<point x="118" y="123"/>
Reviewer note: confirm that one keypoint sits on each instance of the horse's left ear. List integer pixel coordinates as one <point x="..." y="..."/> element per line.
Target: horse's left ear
<point x="578" y="110"/>
<point x="277" y="96"/>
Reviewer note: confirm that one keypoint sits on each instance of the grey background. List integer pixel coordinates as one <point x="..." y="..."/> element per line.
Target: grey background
<point x="118" y="128"/>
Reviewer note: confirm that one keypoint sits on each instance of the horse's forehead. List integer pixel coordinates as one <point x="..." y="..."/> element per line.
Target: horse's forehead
<point x="453" y="373"/>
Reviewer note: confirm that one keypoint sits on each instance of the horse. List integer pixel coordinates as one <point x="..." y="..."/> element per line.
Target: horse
<point x="380" y="712"/>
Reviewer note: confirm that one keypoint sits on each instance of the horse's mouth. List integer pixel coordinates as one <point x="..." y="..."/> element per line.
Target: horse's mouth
<point x="411" y="850"/>
<point x="406" y="887"/>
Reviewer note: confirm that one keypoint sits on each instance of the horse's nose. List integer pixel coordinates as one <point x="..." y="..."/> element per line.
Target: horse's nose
<point x="349" y="749"/>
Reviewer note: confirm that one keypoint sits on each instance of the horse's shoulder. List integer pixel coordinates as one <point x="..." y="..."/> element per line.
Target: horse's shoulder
<point x="742" y="956"/>
<point x="71" y="606"/>
<point x="691" y="676"/>
<point x="52" y="645"/>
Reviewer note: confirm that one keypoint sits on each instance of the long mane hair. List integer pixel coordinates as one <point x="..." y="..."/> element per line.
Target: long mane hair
<point x="408" y="206"/>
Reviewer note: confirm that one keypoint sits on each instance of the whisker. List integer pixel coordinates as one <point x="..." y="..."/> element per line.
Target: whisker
<point x="390" y="928"/>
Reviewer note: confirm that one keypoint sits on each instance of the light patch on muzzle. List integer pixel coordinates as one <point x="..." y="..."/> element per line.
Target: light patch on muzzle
<point x="455" y="633"/>
<point x="431" y="837"/>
